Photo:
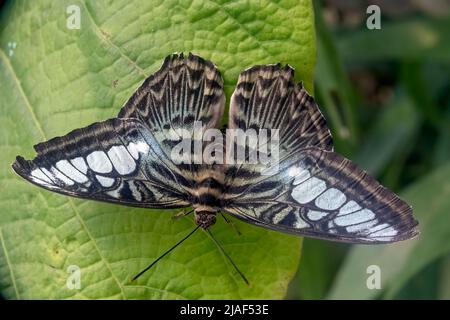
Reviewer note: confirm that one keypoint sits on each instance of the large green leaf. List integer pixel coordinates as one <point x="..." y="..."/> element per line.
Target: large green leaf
<point x="430" y="199"/>
<point x="55" y="79"/>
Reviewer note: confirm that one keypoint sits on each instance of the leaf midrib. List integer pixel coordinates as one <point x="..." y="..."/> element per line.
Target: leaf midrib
<point x="8" y="262"/>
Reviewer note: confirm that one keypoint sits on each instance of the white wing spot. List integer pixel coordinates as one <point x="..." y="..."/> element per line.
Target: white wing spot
<point x="299" y="222"/>
<point x="308" y="190"/>
<point x="99" y="162"/>
<point x="378" y="227"/>
<point x="349" y="207"/>
<point x="355" y="218"/>
<point x="136" y="194"/>
<point x="362" y="226"/>
<point x="121" y="159"/>
<point x="37" y="173"/>
<point x="280" y="216"/>
<point x="61" y="176"/>
<point x="388" y="232"/>
<point x="47" y="173"/>
<point x="316" y="215"/>
<point x="65" y="167"/>
<point x="331" y="199"/>
<point x="116" y="192"/>
<point x="105" y="181"/>
<point x="80" y="164"/>
<point x="299" y="174"/>
<point x="136" y="148"/>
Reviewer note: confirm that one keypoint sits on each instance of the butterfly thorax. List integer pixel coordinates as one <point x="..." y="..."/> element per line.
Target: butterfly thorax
<point x="206" y="203"/>
<point x="207" y="195"/>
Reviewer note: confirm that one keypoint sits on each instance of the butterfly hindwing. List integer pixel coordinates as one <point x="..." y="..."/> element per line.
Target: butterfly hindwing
<point x="184" y="91"/>
<point x="267" y="97"/>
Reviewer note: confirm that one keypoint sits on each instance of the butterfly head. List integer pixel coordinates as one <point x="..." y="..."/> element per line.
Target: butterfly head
<point x="205" y="219"/>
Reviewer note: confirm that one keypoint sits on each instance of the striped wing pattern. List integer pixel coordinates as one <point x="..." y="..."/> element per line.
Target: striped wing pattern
<point x="184" y="90"/>
<point x="117" y="160"/>
<point x="267" y="97"/>
<point x="127" y="160"/>
<point x="314" y="191"/>
<point x="321" y="194"/>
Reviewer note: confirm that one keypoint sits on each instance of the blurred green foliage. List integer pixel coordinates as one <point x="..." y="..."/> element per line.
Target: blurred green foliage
<point x="402" y="138"/>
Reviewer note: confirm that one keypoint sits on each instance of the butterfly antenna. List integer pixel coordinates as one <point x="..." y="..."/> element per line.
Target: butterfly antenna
<point x="164" y="254"/>
<point x="228" y="257"/>
<point x="228" y="221"/>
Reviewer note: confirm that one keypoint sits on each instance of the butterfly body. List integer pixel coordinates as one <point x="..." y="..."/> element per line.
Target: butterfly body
<point x="130" y="159"/>
<point x="206" y="197"/>
<point x="205" y="219"/>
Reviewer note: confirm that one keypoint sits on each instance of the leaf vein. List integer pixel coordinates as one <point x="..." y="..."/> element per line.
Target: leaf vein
<point x="99" y="33"/>
<point x="8" y="262"/>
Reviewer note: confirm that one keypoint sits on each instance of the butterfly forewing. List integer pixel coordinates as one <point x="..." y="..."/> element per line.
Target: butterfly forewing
<point x="311" y="190"/>
<point x="319" y="193"/>
<point x="115" y="161"/>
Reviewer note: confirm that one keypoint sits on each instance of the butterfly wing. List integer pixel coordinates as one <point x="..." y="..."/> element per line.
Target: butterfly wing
<point x="128" y="159"/>
<point x="312" y="191"/>
<point x="184" y="92"/>
<point x="117" y="160"/>
<point x="320" y="194"/>
<point x="179" y="103"/>
<point x="266" y="97"/>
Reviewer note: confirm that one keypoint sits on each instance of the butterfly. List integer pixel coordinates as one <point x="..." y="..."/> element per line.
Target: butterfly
<point x="128" y="160"/>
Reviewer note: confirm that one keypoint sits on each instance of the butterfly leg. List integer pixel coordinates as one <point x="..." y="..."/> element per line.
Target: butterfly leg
<point x="231" y="224"/>
<point x="181" y="214"/>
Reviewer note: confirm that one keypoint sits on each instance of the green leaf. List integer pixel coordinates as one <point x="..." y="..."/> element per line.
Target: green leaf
<point x="416" y="38"/>
<point x="333" y="88"/>
<point x="444" y="284"/>
<point x="430" y="199"/>
<point x="386" y="137"/>
<point x="56" y="79"/>
<point x="317" y="268"/>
